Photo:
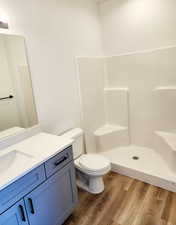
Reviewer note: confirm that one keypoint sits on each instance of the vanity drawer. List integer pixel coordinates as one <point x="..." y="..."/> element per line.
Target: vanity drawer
<point x="58" y="161"/>
<point x="21" y="187"/>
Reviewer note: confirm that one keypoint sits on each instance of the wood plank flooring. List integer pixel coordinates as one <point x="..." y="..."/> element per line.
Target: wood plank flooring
<point x="125" y="201"/>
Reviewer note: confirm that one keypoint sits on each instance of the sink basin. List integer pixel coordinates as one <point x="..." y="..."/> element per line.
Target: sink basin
<point x="13" y="164"/>
<point x="13" y="158"/>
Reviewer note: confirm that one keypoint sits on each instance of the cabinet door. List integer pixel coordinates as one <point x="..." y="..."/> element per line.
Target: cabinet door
<point x="16" y="215"/>
<point x="53" y="201"/>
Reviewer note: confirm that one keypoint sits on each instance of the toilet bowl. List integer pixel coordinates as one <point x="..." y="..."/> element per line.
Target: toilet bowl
<point x="90" y="168"/>
<point x="90" y="171"/>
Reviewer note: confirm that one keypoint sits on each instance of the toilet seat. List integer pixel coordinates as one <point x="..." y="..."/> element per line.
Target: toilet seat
<point x="93" y="162"/>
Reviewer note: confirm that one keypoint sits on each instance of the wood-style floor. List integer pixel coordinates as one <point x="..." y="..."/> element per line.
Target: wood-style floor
<point x="125" y="201"/>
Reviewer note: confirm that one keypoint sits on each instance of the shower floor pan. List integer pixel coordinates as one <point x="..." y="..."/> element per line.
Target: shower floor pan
<point x="142" y="163"/>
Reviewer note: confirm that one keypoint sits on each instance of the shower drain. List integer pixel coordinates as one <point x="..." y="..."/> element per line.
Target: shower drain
<point x="135" y="157"/>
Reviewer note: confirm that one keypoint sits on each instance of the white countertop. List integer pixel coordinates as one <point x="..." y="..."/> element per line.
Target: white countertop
<point x="21" y="158"/>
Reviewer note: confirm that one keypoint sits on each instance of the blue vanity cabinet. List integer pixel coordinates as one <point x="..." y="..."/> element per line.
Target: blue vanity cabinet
<point x="17" y="190"/>
<point x="16" y="215"/>
<point x="53" y="201"/>
<point x="45" y="196"/>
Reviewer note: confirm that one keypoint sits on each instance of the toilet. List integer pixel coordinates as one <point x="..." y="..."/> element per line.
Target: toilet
<point x="90" y="168"/>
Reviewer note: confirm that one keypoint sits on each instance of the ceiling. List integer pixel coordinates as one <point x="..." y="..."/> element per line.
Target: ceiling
<point x="99" y="1"/>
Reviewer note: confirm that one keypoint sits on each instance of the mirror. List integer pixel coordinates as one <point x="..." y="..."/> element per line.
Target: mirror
<point x="17" y="105"/>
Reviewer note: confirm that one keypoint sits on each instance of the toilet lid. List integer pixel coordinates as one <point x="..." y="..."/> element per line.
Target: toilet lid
<point x="93" y="162"/>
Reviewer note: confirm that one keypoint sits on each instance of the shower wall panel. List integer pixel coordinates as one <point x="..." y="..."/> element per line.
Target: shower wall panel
<point x="91" y="78"/>
<point x="143" y="73"/>
<point x="116" y="106"/>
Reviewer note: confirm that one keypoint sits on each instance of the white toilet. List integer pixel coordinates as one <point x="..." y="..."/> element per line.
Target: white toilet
<point x="90" y="168"/>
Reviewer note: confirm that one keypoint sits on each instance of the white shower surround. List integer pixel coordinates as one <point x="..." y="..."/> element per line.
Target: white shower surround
<point x="143" y="86"/>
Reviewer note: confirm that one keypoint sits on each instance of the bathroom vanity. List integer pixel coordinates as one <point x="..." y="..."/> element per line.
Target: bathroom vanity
<point x="37" y="181"/>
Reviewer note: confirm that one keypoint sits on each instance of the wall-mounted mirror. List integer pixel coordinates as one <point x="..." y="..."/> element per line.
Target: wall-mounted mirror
<point x="17" y="105"/>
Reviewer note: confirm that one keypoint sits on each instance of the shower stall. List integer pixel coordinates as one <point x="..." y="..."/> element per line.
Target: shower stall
<point x="128" y="107"/>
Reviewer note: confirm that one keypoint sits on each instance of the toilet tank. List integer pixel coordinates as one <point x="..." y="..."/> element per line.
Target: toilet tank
<point x="78" y="145"/>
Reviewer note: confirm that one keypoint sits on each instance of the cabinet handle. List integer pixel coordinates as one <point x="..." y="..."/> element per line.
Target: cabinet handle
<point x="57" y="163"/>
<point x="31" y="205"/>
<point x="23" y="218"/>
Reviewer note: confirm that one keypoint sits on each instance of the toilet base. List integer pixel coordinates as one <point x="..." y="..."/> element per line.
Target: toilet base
<point x="91" y="184"/>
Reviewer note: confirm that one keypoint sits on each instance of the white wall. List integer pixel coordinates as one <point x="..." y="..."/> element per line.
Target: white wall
<point x="56" y="31"/>
<point x="133" y="25"/>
